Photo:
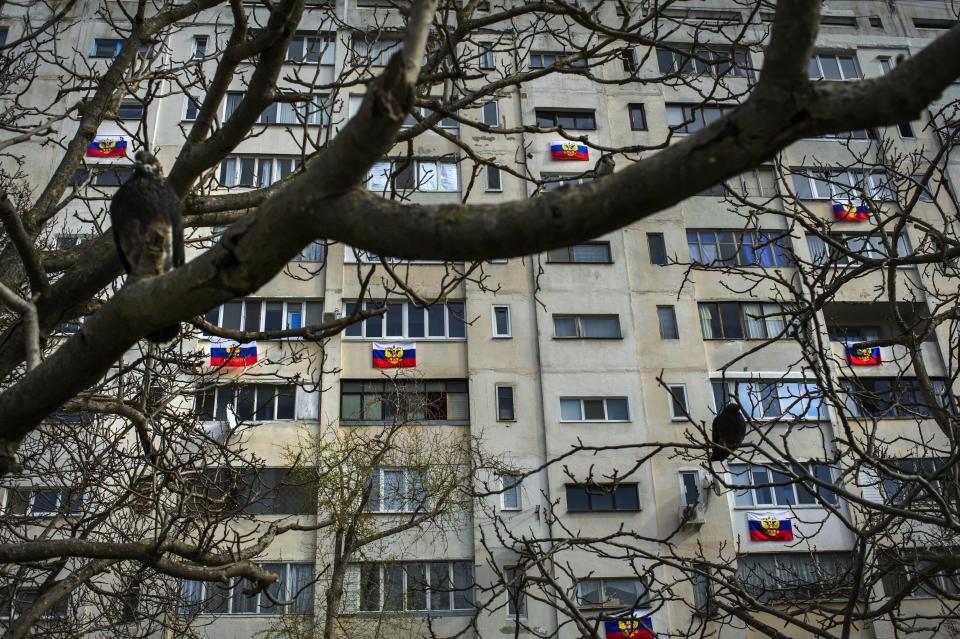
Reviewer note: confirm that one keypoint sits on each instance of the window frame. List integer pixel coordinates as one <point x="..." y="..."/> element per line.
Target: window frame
<point x="276" y="168"/>
<point x="673" y="390"/>
<point x="590" y="490"/>
<point x="513" y="403"/>
<point x="580" y="327"/>
<point x="415" y="169"/>
<point x="453" y="607"/>
<point x="661" y="310"/>
<point x="376" y="395"/>
<point x="454" y="321"/>
<point x="218" y="413"/>
<point x="307" y="308"/>
<point x="492" y="170"/>
<point x="767" y="248"/>
<point x="261" y="604"/>
<point x="754" y="486"/>
<point x="572" y="255"/>
<point x="640" y="602"/>
<point x="515" y="483"/>
<point x="496" y="333"/>
<point x="200" y="52"/>
<point x="766" y="390"/>
<point x="637" y="107"/>
<point x="412" y="481"/>
<point x="818" y="58"/>
<point x="515" y="589"/>
<point x="541" y="114"/>
<point x="325" y="43"/>
<point x="540" y="60"/>
<point x="606" y="410"/>
<point x="693" y="117"/>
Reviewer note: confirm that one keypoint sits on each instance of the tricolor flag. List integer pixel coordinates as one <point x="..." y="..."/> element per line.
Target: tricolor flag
<point x="229" y="352"/>
<point x="394" y="354"/>
<point x="564" y="150"/>
<point x="107" y="148"/>
<point x="864" y="356"/>
<point x="633" y="625"/>
<point x="851" y="211"/>
<point x="770" y="525"/>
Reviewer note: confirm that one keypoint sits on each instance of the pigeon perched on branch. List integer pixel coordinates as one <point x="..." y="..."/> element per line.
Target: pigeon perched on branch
<point x="729" y="429"/>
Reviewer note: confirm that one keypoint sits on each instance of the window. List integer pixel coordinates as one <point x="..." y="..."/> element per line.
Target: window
<point x="561" y="180"/>
<point x="376" y="53"/>
<point x="585" y="120"/>
<point x="501" y="321"/>
<point x="107" y="47"/>
<point x="191" y="107"/>
<point x="441" y="176"/>
<point x="704" y="61"/>
<point x="935" y="472"/>
<point x="312" y="49"/>
<point x="586" y="253"/>
<point x="315" y="251"/>
<point x="516" y="591"/>
<point x="926" y="194"/>
<point x="885" y="397"/>
<point x="602" y="497"/>
<point x="586" y="326"/>
<point x="736" y="320"/>
<point x="690" y="482"/>
<point x="615" y="594"/>
<point x="396" y="490"/>
<point x="418" y="401"/>
<point x="445" y="121"/>
<point x="690" y="118"/>
<point x="638" y="117"/>
<point x="44" y="502"/>
<point x="211" y="597"/>
<point x="130" y="110"/>
<point x="433" y="585"/>
<point x="827" y="66"/>
<point x="906" y="130"/>
<point x="818" y="184"/>
<point x="774" y="485"/>
<point x="439" y="321"/>
<point x="70" y="240"/>
<point x="493" y="179"/>
<point x="658" y="249"/>
<point x="263" y="491"/>
<point x="703" y="602"/>
<point x="4" y="31"/>
<point x="510" y="497"/>
<point x="255" y="402"/>
<point x="255" y="171"/>
<point x="596" y="409"/>
<point x="678" y="402"/>
<point x="886" y="65"/>
<point x="102" y="175"/>
<point x="544" y="59"/>
<point x="22" y="599"/>
<point x="254" y="314"/>
<point x="488" y="58"/>
<point x="772" y="400"/>
<point x="796" y="577"/>
<point x="628" y="58"/>
<point x="934" y="23"/>
<point x="713" y="247"/>
<point x="902" y="566"/>
<point x="668" y="322"/>
<point x="200" y="46"/>
<point x="491" y="113"/>
<point x="505" y="404"/>
<point x="315" y="111"/>
<point x="856" y="247"/>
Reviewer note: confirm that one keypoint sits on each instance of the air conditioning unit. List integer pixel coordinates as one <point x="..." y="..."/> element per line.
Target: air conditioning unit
<point x="693" y="499"/>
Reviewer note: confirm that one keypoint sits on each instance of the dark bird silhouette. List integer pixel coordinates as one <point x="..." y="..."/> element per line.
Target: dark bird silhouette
<point x="729" y="429"/>
<point x="148" y="227"/>
<point x="605" y="166"/>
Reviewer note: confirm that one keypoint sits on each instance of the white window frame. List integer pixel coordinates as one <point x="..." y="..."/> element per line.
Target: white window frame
<point x="426" y="173"/>
<point x="288" y="587"/>
<point x="237" y="160"/>
<point x="496" y="113"/>
<point x="289" y="306"/>
<point x="513" y="400"/>
<point x="492" y="169"/>
<point x="513" y="488"/>
<point x="750" y="397"/>
<point x="188" y="99"/>
<point x="519" y="606"/>
<point x="606" y="411"/>
<point x="741" y="489"/>
<point x="875" y="185"/>
<point x="818" y="57"/>
<point x="493" y="321"/>
<point x="63" y="494"/>
<point x="602" y="590"/>
<point x="681" y="391"/>
<point x="328" y="48"/>
<point x="256" y="386"/>
<point x="580" y="330"/>
<point x="408" y="491"/>
<point x="405" y="332"/>
<point x="451" y="581"/>
<point x="197" y="39"/>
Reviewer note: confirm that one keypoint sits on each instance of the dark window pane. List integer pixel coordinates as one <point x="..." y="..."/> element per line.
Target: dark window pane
<point x="658" y="248"/>
<point x="415" y="322"/>
<point x="730" y="318"/>
<point x="266" y="399"/>
<point x="505" y="403"/>
<point x="273" y="317"/>
<point x="601" y="497"/>
<point x="356" y="329"/>
<point x="394" y="320"/>
<point x="593" y="409"/>
<point x="369" y="587"/>
<point x="435" y="320"/>
<point x="577" y="500"/>
<point x="286" y="400"/>
<point x="456" y="320"/>
<point x="251" y="321"/>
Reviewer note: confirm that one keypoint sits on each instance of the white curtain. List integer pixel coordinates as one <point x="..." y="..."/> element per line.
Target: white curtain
<point x="378" y="177"/>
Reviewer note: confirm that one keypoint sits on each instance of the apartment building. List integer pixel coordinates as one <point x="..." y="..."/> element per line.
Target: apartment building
<point x="609" y="343"/>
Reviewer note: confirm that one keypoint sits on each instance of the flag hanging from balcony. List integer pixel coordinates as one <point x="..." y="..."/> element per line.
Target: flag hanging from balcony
<point x="107" y="147"/>
<point x="632" y="625"/>
<point x="864" y="356"/>
<point x="394" y="354"/>
<point x="851" y="211"/>
<point x="565" y="150"/>
<point x="770" y="525"/>
<point x="229" y="352"/>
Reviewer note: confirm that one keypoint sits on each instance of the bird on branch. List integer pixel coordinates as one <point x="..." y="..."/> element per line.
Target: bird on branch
<point x="148" y="227"/>
<point x="729" y="429"/>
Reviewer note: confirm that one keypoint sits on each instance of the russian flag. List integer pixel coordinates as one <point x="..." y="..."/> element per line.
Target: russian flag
<point x="770" y="525"/>
<point x="864" y="356"/>
<point x="394" y="354"/>
<point x="635" y="625"/>
<point x="229" y="352"/>
<point x="107" y="148"/>
<point x="851" y="211"/>
<point x="566" y="150"/>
